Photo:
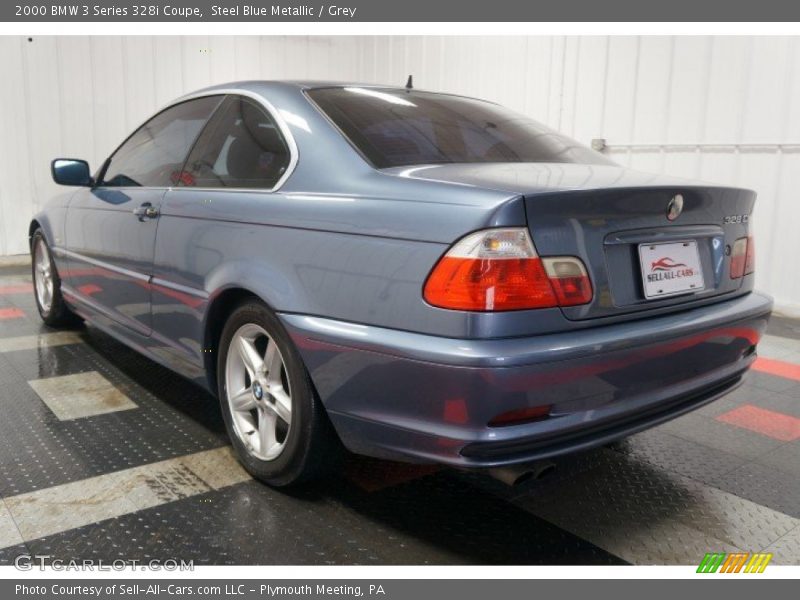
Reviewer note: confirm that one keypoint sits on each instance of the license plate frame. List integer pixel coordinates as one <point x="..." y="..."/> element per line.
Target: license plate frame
<point x="670" y="269"/>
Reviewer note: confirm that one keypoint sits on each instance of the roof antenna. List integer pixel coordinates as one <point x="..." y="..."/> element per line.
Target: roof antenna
<point x="410" y="83"/>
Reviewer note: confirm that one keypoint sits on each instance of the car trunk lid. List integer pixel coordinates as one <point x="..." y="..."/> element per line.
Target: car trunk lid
<point x="615" y="220"/>
<point x="625" y="239"/>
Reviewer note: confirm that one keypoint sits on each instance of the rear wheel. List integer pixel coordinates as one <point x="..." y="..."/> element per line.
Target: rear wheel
<point x="276" y="423"/>
<point x="47" y="285"/>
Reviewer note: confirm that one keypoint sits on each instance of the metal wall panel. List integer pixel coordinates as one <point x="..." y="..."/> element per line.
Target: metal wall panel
<point x="722" y="109"/>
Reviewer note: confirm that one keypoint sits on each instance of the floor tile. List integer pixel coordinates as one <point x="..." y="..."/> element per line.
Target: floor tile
<point x="15" y="288"/>
<point x="42" y="340"/>
<point x="646" y="516"/>
<point x="785" y="458"/>
<point x="721" y="436"/>
<point x="764" y="485"/>
<point x="778" y="426"/>
<point x="80" y="395"/>
<point x="216" y="468"/>
<point x="71" y="505"/>
<point x="780" y="368"/>
<point x="9" y="534"/>
<point x="786" y="549"/>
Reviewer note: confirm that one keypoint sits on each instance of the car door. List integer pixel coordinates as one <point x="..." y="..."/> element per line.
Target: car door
<point x="211" y="216"/>
<point x="111" y="228"/>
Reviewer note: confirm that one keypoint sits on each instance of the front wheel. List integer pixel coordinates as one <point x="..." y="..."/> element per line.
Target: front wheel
<point x="47" y="284"/>
<point x="276" y="423"/>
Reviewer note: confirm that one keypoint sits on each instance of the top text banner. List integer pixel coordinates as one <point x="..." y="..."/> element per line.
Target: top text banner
<point x="401" y="11"/>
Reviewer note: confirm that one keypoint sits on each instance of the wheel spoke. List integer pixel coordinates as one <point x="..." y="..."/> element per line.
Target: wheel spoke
<point x="281" y="404"/>
<point x="272" y="362"/>
<point x="266" y="430"/>
<point x="243" y="400"/>
<point x="250" y="357"/>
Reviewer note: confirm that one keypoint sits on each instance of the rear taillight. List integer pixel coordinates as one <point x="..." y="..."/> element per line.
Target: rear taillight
<point x="743" y="257"/>
<point x="569" y="280"/>
<point x="498" y="269"/>
<point x="750" y="261"/>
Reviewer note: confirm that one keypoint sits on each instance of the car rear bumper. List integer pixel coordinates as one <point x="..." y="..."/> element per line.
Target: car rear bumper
<point x="416" y="397"/>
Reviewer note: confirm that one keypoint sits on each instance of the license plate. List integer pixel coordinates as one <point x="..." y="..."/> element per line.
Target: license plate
<point x="670" y="269"/>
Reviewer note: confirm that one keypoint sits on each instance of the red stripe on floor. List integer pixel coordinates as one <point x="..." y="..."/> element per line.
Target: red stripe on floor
<point x="20" y="288"/>
<point x="779" y="426"/>
<point x="777" y="367"/>
<point x="11" y="313"/>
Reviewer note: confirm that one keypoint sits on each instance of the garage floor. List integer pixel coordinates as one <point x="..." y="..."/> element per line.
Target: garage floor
<point x="106" y="455"/>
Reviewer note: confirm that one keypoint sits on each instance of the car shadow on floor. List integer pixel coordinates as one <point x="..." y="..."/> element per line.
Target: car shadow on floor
<point x="438" y="515"/>
<point x="179" y="393"/>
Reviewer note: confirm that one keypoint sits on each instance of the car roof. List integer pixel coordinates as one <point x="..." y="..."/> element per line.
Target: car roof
<point x="261" y="85"/>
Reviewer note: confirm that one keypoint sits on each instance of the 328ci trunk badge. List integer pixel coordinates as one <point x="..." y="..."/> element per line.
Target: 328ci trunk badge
<point x="675" y="207"/>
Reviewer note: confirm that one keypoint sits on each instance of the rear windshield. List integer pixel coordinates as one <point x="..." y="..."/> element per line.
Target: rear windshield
<point x="394" y="128"/>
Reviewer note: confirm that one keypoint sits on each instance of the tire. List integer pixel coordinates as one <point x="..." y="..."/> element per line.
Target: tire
<point x="47" y="285"/>
<point x="302" y="446"/>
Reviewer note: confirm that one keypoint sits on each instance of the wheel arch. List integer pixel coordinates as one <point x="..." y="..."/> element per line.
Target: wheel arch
<point x="219" y="309"/>
<point x="228" y="285"/>
<point x="34" y="225"/>
<point x="47" y="225"/>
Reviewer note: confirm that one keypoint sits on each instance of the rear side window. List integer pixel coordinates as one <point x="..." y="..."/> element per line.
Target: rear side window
<point x="154" y="154"/>
<point x="242" y="147"/>
<point x="394" y="128"/>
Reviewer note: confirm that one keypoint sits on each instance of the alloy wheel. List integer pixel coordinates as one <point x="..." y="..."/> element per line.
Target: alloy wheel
<point x="258" y="392"/>
<point x="43" y="275"/>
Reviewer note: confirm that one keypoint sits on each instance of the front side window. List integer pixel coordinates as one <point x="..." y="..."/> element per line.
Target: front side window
<point x="242" y="147"/>
<point x="154" y="154"/>
<point x="394" y="128"/>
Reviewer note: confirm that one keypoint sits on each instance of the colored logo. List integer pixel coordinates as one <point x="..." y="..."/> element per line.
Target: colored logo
<point x="737" y="562"/>
<point x="665" y="264"/>
<point x="675" y="207"/>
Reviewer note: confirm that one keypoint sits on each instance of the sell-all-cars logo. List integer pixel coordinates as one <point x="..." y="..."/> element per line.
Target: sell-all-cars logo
<point x="665" y="264"/>
<point x="665" y="269"/>
<point x="736" y="562"/>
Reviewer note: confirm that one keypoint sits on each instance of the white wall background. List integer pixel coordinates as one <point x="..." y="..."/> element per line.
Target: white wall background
<point x="722" y="109"/>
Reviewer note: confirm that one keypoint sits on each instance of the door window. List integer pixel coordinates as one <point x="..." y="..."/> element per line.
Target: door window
<point x="154" y="154"/>
<point x="242" y="147"/>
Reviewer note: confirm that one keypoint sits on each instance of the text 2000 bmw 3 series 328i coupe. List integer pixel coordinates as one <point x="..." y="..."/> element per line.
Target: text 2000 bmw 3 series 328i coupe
<point x="417" y="276"/>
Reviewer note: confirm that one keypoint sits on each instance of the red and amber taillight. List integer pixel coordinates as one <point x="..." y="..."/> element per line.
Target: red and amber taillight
<point x="743" y="257"/>
<point x="498" y="269"/>
<point x="750" y="260"/>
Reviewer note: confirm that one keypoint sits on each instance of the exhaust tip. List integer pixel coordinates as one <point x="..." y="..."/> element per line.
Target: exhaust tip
<point x="523" y="478"/>
<point x="515" y="475"/>
<point x="546" y="471"/>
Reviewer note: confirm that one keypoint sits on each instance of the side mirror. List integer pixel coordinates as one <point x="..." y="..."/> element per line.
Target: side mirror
<point x="71" y="171"/>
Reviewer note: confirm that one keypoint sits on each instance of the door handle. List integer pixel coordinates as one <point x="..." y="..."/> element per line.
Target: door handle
<point x="146" y="211"/>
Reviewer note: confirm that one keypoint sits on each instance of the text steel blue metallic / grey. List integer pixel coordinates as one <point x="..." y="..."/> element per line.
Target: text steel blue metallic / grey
<point x="412" y="275"/>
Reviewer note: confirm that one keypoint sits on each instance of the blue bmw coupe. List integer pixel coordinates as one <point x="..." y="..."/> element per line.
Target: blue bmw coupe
<point x="411" y="275"/>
